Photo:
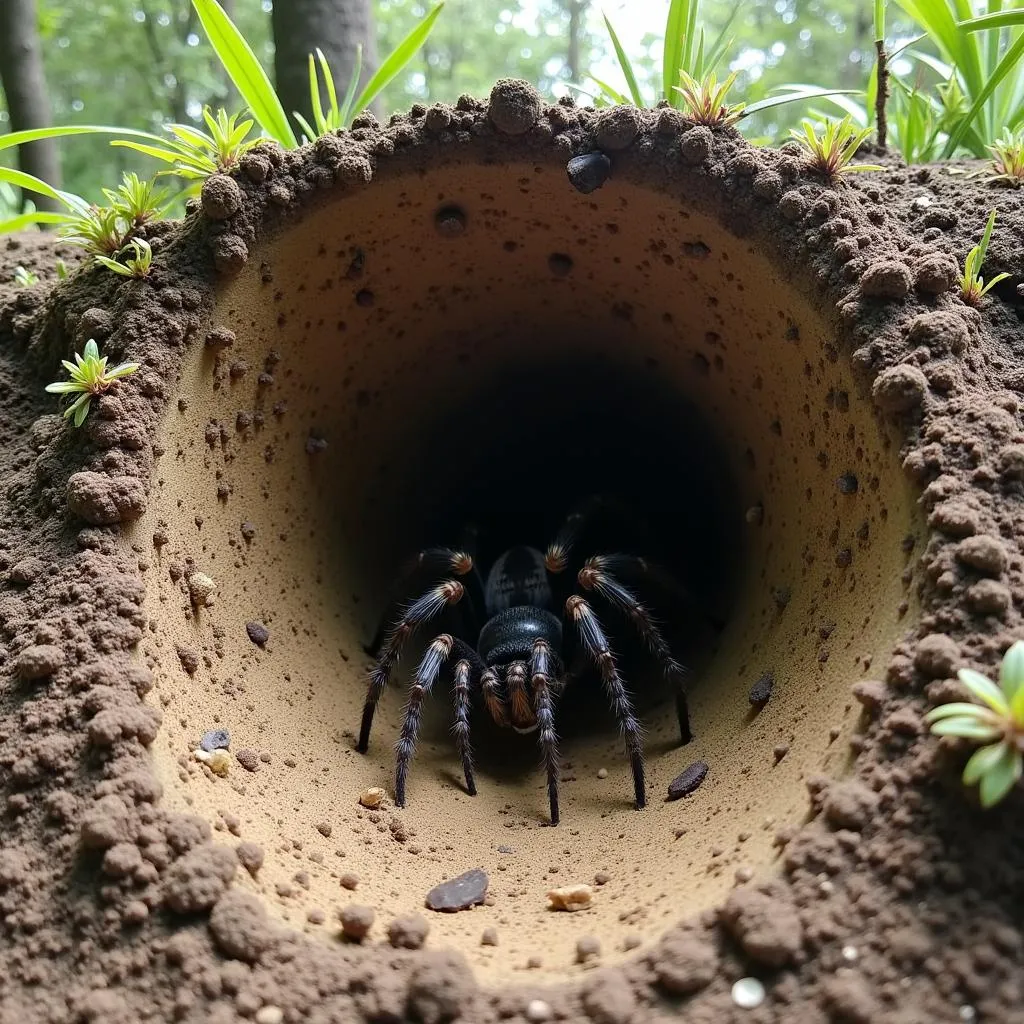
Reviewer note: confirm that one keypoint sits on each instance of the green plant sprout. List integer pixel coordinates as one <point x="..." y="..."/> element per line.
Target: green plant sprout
<point x="89" y="378"/>
<point x="136" y="200"/>
<point x="135" y="266"/>
<point x="195" y="154"/>
<point x="1008" y="158"/>
<point x="62" y="270"/>
<point x="704" y="101"/>
<point x="25" y="278"/>
<point x="99" y="230"/>
<point x="831" y="152"/>
<point x="998" y="722"/>
<point x="973" y="287"/>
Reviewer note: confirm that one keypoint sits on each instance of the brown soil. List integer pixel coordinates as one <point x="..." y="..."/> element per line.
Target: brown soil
<point x="790" y="346"/>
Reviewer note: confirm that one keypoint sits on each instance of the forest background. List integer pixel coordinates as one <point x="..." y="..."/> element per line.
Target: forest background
<point x="142" y="63"/>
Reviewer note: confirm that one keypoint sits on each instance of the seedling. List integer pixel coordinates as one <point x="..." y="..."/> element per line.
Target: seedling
<point x="25" y="278"/>
<point x="704" y="100"/>
<point x="1008" y="158"/>
<point x="99" y="230"/>
<point x="135" y="266"/>
<point x="137" y="201"/>
<point x="89" y="378"/>
<point x="196" y="154"/>
<point x="972" y="285"/>
<point x="831" y="152"/>
<point x="998" y="722"/>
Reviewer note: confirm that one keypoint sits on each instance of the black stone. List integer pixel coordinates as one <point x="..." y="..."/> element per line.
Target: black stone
<point x="761" y="691"/>
<point x="459" y="893"/>
<point x="258" y="633"/>
<point x="589" y="171"/>
<point x="689" y="781"/>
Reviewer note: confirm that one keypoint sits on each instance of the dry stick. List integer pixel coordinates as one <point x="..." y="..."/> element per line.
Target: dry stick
<point x="883" y="92"/>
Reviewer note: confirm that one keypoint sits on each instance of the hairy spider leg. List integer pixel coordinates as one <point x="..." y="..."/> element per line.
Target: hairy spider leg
<point x="556" y="559"/>
<point x="596" y="644"/>
<point x="595" y="576"/>
<point x="520" y="707"/>
<point x="542" y="668"/>
<point x="422" y="610"/>
<point x="429" y="668"/>
<point x="419" y="572"/>
<point x="463" y="682"/>
<point x="490" y="686"/>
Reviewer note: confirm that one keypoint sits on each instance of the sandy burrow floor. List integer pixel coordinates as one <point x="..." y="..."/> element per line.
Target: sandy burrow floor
<point x="246" y="504"/>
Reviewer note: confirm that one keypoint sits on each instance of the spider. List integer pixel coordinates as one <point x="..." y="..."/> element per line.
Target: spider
<point x="516" y="663"/>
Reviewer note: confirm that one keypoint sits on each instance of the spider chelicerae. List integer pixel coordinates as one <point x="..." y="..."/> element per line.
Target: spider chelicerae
<point x="507" y="644"/>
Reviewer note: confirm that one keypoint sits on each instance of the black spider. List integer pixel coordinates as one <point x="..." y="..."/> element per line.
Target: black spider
<point x="517" y="660"/>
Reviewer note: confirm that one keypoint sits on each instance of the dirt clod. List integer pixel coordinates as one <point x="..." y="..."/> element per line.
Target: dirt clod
<point x="515" y="106"/>
<point x="408" y="931"/>
<point x="356" y="921"/>
<point x="257" y="633"/>
<point x="767" y="928"/>
<point x="688" y="781"/>
<point x="39" y="661"/>
<point x="105" y="501"/>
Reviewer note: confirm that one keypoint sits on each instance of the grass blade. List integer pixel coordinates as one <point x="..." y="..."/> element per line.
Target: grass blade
<point x="618" y="98"/>
<point x="332" y="94"/>
<point x="624" y="62"/>
<point x="350" y="92"/>
<point x="676" y="25"/>
<point x="245" y="71"/>
<point x="806" y="93"/>
<point x="1007" y="65"/>
<point x="29" y="182"/>
<point x="57" y="132"/>
<point x="26" y="220"/>
<point x="1003" y="19"/>
<point x="397" y="60"/>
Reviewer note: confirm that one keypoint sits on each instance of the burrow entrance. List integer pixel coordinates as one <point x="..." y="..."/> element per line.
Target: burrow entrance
<point x="396" y="373"/>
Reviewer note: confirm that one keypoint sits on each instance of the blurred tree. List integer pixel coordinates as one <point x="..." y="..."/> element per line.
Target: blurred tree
<point x="24" y="83"/>
<point x="337" y="27"/>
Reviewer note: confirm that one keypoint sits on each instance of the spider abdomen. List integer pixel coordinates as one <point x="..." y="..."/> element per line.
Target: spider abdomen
<point x="510" y="635"/>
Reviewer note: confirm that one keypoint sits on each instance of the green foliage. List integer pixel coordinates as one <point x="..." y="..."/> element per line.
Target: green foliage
<point x="341" y="115"/>
<point x="830" y="152"/>
<point x="972" y="286"/>
<point x="99" y="230"/>
<point x="25" y="278"/>
<point x="134" y="266"/>
<point x="997" y="721"/>
<point x="195" y="154"/>
<point x="984" y="87"/>
<point x="704" y="101"/>
<point x="89" y="378"/>
<point x="136" y="200"/>
<point x="1008" y="158"/>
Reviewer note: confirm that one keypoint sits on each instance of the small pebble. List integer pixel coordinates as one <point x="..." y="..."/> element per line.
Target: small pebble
<point x="200" y="588"/>
<point x="489" y="937"/>
<point x="850" y="953"/>
<point x="258" y="633"/>
<point x="602" y="878"/>
<point x="349" y="880"/>
<point x="249" y="760"/>
<point x="602" y="773"/>
<point x="571" y="897"/>
<point x="748" y="993"/>
<point x="219" y="762"/>
<point x="589" y="171"/>
<point x="269" y="1015"/>
<point x="688" y="781"/>
<point x="215" y="739"/>
<point x="371" y="797"/>
<point x="588" y="948"/>
<point x="761" y="691"/>
<point x="537" y="1011"/>
<point x="459" y="893"/>
<point x="534" y="963"/>
<point x="356" y="921"/>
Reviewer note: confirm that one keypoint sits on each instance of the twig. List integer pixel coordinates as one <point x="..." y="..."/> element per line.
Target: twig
<point x="883" y="93"/>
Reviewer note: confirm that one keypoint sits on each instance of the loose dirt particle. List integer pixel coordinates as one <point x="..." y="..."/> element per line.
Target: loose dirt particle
<point x="899" y="389"/>
<point x="249" y="760"/>
<point x="349" y="880"/>
<point x="685" y="963"/>
<point x="588" y="948"/>
<point x="250" y="856"/>
<point x="571" y="897"/>
<point x="200" y="589"/>
<point x="766" y="927"/>
<point x="39" y="661"/>
<point x="688" y="781"/>
<point x="850" y="805"/>
<point x="459" y="893"/>
<point x="886" y="279"/>
<point x="515" y="106"/>
<point x="489" y="937"/>
<point x="408" y="932"/>
<point x="356" y="921"/>
<point x="371" y="797"/>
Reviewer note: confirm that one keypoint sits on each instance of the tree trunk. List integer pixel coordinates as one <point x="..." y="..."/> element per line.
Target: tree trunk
<point x="21" y="71"/>
<point x="577" y="8"/>
<point x="336" y="27"/>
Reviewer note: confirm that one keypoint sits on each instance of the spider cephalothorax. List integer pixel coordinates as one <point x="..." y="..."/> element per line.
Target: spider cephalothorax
<point x="509" y="648"/>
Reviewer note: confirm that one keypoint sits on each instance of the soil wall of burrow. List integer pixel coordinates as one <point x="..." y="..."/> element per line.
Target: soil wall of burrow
<point x="478" y="341"/>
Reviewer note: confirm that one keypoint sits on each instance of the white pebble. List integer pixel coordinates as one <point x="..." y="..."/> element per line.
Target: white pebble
<point x="200" y="588"/>
<point x="748" y="993"/>
<point x="202" y="755"/>
<point x="269" y="1015"/>
<point x="922" y="203"/>
<point x="850" y="953"/>
<point x="967" y="1012"/>
<point x="371" y="797"/>
<point x="571" y="897"/>
<point x="537" y="1010"/>
<point x="602" y="773"/>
